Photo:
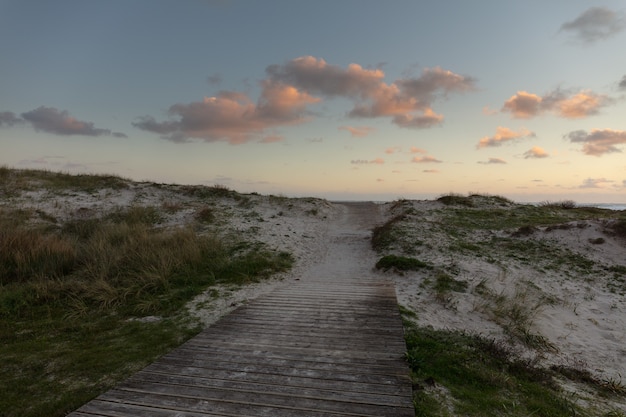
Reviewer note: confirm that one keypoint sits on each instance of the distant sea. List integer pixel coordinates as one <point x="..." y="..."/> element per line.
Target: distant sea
<point x="606" y="206"/>
<point x="609" y="206"/>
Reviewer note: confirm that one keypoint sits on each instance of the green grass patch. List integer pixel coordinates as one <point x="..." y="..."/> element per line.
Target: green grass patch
<point x="481" y="378"/>
<point x="53" y="364"/>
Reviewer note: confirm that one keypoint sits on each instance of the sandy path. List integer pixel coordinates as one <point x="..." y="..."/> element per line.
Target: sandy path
<point x="348" y="246"/>
<point x="341" y="245"/>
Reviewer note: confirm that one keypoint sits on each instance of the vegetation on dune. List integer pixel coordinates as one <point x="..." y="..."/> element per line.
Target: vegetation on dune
<point x="473" y="200"/>
<point x="14" y="181"/>
<point x="74" y="295"/>
<point x="459" y="374"/>
<point x="455" y="373"/>
<point x="383" y="235"/>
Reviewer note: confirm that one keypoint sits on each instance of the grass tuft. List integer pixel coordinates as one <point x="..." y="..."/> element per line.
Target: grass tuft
<point x="383" y="235"/>
<point x="444" y="283"/>
<point x="564" y="204"/>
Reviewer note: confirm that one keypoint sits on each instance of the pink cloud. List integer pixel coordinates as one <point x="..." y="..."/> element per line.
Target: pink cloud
<point x="581" y="105"/>
<point x="503" y="135"/>
<point x="425" y="159"/>
<point x="523" y="105"/>
<point x="417" y="150"/>
<point x="358" y="132"/>
<point x="535" y="152"/>
<point x="599" y="141"/>
<point x="393" y="150"/>
<point x="317" y="76"/>
<point x="487" y="111"/>
<point x="428" y="118"/>
<point x="232" y="116"/>
<point x="283" y="103"/>
<point x="289" y="89"/>
<point x="407" y="101"/>
<point x="585" y="103"/>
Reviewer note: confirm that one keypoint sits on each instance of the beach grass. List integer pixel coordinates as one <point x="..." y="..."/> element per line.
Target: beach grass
<point x="459" y="374"/>
<point x="86" y="302"/>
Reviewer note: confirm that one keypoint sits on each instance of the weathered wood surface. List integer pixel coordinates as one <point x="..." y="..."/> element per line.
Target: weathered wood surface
<point x="328" y="345"/>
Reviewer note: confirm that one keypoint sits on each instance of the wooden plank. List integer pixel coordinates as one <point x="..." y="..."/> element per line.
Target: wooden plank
<point x="359" y="405"/>
<point x="250" y="405"/>
<point x="283" y="380"/>
<point x="196" y="356"/>
<point x="293" y="339"/>
<point x="266" y="386"/>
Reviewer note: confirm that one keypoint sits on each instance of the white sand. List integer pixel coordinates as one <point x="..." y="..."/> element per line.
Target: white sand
<point x="579" y="314"/>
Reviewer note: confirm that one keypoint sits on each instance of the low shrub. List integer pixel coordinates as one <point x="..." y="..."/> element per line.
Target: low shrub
<point x="453" y="199"/>
<point x="205" y="215"/>
<point x="401" y="263"/>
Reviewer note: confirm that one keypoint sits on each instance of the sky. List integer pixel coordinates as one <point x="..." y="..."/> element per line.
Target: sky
<point x="345" y="100"/>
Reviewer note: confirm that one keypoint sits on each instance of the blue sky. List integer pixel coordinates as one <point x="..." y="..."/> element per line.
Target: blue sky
<point x="336" y="99"/>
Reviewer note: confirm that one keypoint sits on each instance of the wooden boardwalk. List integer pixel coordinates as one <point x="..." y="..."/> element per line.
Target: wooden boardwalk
<point x="324" y="346"/>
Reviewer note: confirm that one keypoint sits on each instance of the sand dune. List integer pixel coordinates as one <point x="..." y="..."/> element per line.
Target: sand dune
<point x="555" y="293"/>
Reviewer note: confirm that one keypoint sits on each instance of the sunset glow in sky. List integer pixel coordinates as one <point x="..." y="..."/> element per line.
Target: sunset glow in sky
<point x="351" y="99"/>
